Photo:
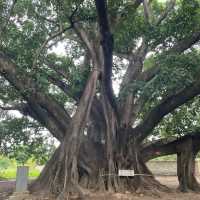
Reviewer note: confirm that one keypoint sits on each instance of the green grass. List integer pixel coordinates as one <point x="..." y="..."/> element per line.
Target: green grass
<point x="8" y="169"/>
<point x="10" y="173"/>
<point x="166" y="158"/>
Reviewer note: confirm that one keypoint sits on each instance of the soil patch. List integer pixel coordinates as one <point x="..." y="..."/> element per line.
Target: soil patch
<point x="6" y="188"/>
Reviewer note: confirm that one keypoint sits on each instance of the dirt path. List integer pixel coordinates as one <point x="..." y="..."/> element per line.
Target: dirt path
<point x="171" y="181"/>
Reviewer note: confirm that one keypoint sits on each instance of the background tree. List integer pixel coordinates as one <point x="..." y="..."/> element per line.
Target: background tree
<point x="23" y="139"/>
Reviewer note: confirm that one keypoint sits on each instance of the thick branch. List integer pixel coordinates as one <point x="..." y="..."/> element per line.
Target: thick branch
<point x="96" y="110"/>
<point x="147" y="12"/>
<point x="43" y="117"/>
<point x="179" y="47"/>
<point x="86" y="100"/>
<point x="19" y="107"/>
<point x="162" y="147"/>
<point x="28" y="89"/>
<point x="165" y="107"/>
<point x="169" y="146"/>
<point x="34" y="111"/>
<point x="147" y="75"/>
<point x="107" y="43"/>
<point x="135" y="64"/>
<point x="133" y="72"/>
<point x="186" y="43"/>
<point x="82" y="34"/>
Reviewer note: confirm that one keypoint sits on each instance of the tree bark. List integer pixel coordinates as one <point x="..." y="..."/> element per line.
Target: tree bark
<point x="186" y="149"/>
<point x="186" y="167"/>
<point x="130" y="157"/>
<point x="64" y="173"/>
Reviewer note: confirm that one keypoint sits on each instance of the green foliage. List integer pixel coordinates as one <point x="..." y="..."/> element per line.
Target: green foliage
<point x="4" y="163"/>
<point x="8" y="168"/>
<point x="166" y="158"/>
<point x="180" y="23"/>
<point x="176" y="72"/>
<point x="181" y="121"/>
<point x="128" y="34"/>
<point x="22" y="139"/>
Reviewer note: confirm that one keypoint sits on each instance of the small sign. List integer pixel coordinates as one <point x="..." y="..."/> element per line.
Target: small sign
<point x="123" y="172"/>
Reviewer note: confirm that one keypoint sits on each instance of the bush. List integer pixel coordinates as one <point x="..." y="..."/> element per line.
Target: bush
<point x="5" y="163"/>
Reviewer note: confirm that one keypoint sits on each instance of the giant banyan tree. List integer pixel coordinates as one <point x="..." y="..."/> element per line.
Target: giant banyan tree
<point x="125" y="67"/>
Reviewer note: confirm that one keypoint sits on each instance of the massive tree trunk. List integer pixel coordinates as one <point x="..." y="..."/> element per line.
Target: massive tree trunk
<point x="91" y="160"/>
<point x="145" y="180"/>
<point x="64" y="175"/>
<point x="130" y="157"/>
<point x="93" y="165"/>
<point x="63" y="170"/>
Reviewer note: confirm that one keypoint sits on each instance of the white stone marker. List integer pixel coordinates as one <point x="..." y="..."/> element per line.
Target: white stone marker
<point x="22" y="179"/>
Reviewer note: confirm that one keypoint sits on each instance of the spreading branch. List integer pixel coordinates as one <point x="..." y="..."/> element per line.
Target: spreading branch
<point x="135" y="66"/>
<point x="58" y="70"/>
<point x="84" y="37"/>
<point x="169" y="146"/>
<point x="147" y="75"/>
<point x="38" y="113"/>
<point x="21" y="107"/>
<point x="186" y="43"/>
<point x="27" y="87"/>
<point x="57" y="34"/>
<point x="165" y="107"/>
<point x="35" y="111"/>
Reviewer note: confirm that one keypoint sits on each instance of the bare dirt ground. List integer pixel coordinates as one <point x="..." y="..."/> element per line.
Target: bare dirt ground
<point x="6" y="189"/>
<point x="170" y="181"/>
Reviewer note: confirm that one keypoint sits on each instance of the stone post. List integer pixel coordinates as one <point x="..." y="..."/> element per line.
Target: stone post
<point x="21" y="191"/>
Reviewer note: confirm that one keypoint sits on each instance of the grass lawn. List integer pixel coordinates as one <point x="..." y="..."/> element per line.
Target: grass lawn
<point x="10" y="173"/>
<point x="8" y="169"/>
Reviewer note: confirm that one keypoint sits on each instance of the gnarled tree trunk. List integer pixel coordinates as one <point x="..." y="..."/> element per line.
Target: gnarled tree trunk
<point x="186" y="167"/>
<point x="64" y="173"/>
<point x="186" y="149"/>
